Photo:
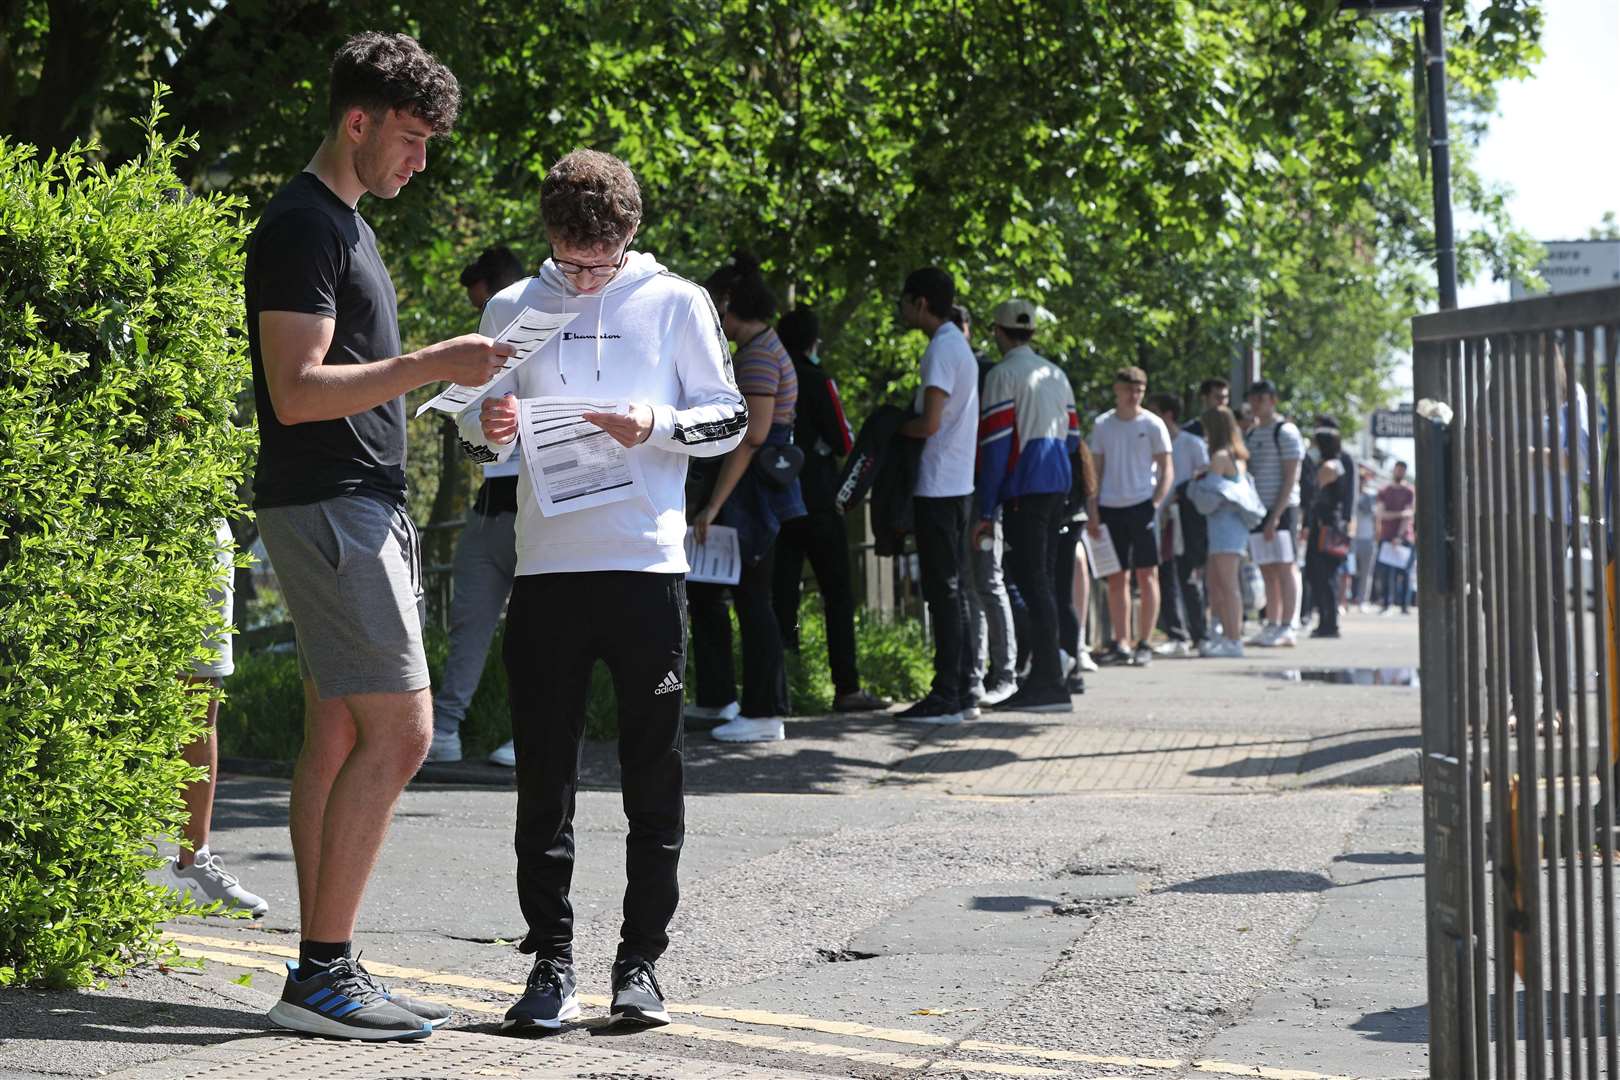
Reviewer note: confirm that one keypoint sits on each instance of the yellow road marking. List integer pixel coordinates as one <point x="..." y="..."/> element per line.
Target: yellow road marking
<point x="760" y="1018"/>
<point x="1073" y="1056"/>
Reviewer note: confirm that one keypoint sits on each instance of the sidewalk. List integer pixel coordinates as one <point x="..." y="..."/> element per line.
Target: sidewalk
<point x="1162" y="884"/>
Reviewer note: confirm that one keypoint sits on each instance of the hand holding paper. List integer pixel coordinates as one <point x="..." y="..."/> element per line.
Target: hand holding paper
<point x="523" y="338"/>
<point x="499" y="417"/>
<point x="629" y="428"/>
<point x="468" y="360"/>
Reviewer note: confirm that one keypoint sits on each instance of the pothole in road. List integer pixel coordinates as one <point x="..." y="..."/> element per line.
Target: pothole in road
<point x="839" y="956"/>
<point x="1091" y="907"/>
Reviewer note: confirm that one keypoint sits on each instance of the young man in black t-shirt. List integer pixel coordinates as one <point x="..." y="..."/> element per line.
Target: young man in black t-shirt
<point x="328" y="379"/>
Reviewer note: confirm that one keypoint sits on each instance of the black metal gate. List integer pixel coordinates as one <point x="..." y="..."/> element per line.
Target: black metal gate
<point x="1516" y="466"/>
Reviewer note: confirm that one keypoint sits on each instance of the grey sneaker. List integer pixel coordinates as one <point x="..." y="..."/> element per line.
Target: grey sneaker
<point x="206" y="881"/>
<point x="436" y="1015"/>
<point x="343" y="1002"/>
<point x="636" y="996"/>
<point x="445" y="748"/>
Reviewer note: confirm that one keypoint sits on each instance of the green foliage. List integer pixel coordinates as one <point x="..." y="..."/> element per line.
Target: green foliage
<point x="262" y="714"/>
<point x="1156" y="172"/>
<point x="119" y="363"/>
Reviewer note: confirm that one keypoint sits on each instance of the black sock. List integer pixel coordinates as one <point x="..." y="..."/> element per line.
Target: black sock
<point x="315" y="955"/>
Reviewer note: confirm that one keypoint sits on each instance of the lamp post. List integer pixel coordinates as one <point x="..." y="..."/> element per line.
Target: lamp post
<point x="1434" y="63"/>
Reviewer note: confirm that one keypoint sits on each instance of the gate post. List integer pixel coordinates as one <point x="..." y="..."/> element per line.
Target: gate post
<point x="1445" y="779"/>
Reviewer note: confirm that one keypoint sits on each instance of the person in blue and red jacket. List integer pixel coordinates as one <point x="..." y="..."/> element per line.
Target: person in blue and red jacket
<point x="1028" y="432"/>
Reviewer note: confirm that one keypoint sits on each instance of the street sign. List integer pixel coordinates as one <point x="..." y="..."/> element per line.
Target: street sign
<point x="1574" y="265"/>
<point x="1393" y="423"/>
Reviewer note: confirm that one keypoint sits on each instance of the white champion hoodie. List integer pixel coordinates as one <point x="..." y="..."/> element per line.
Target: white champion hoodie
<point x="648" y="338"/>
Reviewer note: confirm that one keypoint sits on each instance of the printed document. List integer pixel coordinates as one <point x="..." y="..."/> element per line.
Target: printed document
<point x="1279" y="550"/>
<point x="527" y="333"/>
<point x="572" y="463"/>
<point x="1397" y="555"/>
<point x="1100" y="552"/>
<point x="718" y="560"/>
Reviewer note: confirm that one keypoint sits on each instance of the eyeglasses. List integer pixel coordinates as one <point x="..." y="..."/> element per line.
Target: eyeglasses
<point x="601" y="271"/>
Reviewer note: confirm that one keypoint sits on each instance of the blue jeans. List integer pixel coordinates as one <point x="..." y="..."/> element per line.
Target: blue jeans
<point x="1387" y="578"/>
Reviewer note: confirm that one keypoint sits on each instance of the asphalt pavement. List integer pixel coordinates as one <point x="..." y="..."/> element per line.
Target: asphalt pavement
<point x="1210" y="868"/>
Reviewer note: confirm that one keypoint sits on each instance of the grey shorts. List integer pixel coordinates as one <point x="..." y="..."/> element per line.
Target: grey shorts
<point x="222" y="599"/>
<point x="350" y="572"/>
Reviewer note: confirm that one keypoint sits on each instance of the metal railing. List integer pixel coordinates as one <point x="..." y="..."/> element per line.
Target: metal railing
<point x="1516" y="459"/>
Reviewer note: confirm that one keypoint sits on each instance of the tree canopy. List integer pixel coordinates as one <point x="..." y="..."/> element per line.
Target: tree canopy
<point x="1155" y="172"/>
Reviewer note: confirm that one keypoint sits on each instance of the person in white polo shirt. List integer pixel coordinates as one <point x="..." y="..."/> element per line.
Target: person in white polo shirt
<point x="1131" y="448"/>
<point x="948" y="422"/>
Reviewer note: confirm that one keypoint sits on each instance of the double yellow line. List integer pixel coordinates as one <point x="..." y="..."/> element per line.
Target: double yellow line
<point x="253" y="955"/>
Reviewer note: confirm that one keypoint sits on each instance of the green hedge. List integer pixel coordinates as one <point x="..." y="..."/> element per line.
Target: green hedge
<point x="262" y="716"/>
<point x="120" y="361"/>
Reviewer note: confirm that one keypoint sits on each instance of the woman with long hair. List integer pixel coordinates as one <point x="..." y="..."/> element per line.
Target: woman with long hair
<point x="756" y="507"/>
<point x="1228" y="531"/>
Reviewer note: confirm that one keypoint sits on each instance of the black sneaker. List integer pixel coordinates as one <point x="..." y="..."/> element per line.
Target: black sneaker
<point x="1032" y="699"/>
<point x="932" y="710"/>
<point x="860" y="701"/>
<point x="341" y="1001"/>
<point x="435" y="1014"/>
<point x="1076" y="683"/>
<point x="1116" y="655"/>
<point x="552" y="996"/>
<point x="636" y="997"/>
<point x="1143" y="655"/>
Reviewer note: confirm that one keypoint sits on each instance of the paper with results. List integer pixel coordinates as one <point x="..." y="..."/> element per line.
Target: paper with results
<point x="1279" y="549"/>
<point x="527" y="334"/>
<point x="572" y="463"/>
<point x="1100" y="552"/>
<point x="718" y="560"/>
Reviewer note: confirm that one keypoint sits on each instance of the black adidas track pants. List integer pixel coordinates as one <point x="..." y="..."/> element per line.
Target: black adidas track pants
<point x="557" y="627"/>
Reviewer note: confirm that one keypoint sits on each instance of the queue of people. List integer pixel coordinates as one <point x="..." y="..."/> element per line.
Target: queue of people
<point x="1010" y="509"/>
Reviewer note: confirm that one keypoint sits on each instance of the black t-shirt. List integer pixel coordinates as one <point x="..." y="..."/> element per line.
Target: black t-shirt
<point x="315" y="254"/>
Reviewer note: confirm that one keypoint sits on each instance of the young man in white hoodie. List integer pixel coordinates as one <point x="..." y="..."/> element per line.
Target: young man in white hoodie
<point x="605" y="583"/>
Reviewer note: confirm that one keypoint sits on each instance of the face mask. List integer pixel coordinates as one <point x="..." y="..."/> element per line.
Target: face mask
<point x="814" y="358"/>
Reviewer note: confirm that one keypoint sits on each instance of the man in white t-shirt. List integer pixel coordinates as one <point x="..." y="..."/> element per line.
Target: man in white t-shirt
<point x="948" y="422"/>
<point x="1131" y="448"/>
<point x="1276" y="455"/>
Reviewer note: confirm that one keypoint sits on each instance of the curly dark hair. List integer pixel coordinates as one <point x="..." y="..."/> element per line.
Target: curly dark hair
<point x="590" y="199"/>
<point x="385" y="72"/>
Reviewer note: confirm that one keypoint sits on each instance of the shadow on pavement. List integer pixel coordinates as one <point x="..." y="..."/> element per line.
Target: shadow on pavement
<point x="1408" y="1025"/>
<point x="1322" y="757"/>
<point x="1381" y="858"/>
<point x="88" y="1016"/>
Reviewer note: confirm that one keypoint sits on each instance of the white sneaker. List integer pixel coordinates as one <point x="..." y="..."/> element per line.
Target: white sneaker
<point x="504" y="755"/>
<point x="206" y="881"/>
<point x="1178" y="650"/>
<point x="445" y="748"/>
<point x="1224" y="649"/>
<point x="1085" y="661"/>
<point x="1266" y="637"/>
<point x="751" y="729"/>
<point x="1285" y="637"/>
<point x="709" y="712"/>
<point x="995" y="695"/>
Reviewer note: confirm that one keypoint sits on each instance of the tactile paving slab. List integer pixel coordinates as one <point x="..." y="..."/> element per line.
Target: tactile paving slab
<point x="446" y="1055"/>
